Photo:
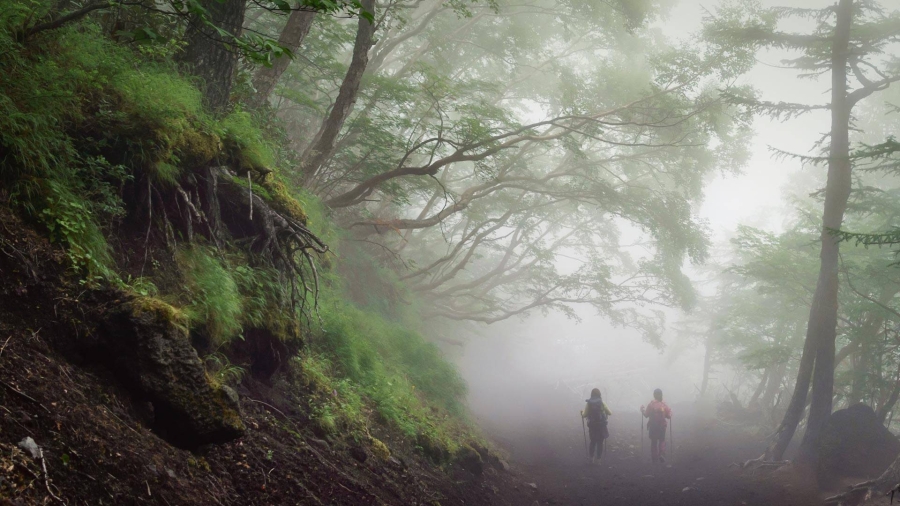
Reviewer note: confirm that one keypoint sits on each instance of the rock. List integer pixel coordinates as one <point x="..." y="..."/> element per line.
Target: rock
<point x="686" y="489"/>
<point x="30" y="446"/>
<point x="469" y="459"/>
<point x="432" y="447"/>
<point x="490" y="458"/>
<point x="395" y="461"/>
<point x="319" y="443"/>
<point x="358" y="453"/>
<point x="533" y="486"/>
<point x="855" y="444"/>
<point x="145" y="342"/>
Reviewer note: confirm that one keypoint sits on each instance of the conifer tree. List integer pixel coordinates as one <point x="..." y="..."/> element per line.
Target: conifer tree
<point x="849" y="42"/>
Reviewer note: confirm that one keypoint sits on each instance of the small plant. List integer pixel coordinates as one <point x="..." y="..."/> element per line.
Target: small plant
<point x="221" y="371"/>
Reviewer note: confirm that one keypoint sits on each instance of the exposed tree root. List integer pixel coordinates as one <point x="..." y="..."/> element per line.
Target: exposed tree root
<point x="762" y="463"/>
<point x="888" y="484"/>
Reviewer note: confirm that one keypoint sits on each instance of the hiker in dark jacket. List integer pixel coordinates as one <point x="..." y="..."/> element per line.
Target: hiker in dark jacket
<point x="597" y="413"/>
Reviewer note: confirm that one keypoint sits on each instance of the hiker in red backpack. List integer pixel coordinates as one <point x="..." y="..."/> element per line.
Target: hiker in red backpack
<point x="597" y="414"/>
<point x="658" y="412"/>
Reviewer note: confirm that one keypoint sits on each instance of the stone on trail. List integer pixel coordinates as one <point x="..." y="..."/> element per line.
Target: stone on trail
<point x="533" y="486"/>
<point x="686" y="489"/>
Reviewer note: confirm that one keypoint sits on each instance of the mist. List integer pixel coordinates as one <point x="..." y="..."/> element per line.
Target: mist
<point x="480" y="252"/>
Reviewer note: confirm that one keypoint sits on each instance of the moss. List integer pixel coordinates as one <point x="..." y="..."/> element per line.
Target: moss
<point x="141" y="305"/>
<point x="196" y="147"/>
<point x="283" y="201"/>
<point x="198" y="463"/>
<point x="380" y="449"/>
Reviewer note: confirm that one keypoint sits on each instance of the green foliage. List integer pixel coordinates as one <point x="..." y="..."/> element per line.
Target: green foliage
<point x="393" y="365"/>
<point x="221" y="371"/>
<point x="211" y="293"/>
<point x="70" y="222"/>
<point x="336" y="404"/>
<point x="245" y="142"/>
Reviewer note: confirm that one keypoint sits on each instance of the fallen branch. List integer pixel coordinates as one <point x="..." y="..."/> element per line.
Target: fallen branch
<point x="46" y="476"/>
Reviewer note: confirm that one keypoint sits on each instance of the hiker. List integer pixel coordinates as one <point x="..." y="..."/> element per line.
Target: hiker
<point x="597" y="413"/>
<point x="658" y="412"/>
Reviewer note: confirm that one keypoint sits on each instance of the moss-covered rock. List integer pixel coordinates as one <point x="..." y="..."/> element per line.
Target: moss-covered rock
<point x="145" y="341"/>
<point x="469" y="459"/>
<point x="380" y="450"/>
<point x="432" y="447"/>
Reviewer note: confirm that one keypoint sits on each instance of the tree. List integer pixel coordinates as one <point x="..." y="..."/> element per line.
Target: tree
<point x="475" y="201"/>
<point x="210" y="51"/>
<point x="266" y="77"/>
<point x="849" y="41"/>
<point x="322" y="146"/>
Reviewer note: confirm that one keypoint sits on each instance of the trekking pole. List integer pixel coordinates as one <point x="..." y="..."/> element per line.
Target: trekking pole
<point x="642" y="436"/>
<point x="585" y="436"/>
<point x="672" y="439"/>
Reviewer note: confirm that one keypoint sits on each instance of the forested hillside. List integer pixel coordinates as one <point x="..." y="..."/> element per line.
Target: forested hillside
<point x="235" y="236"/>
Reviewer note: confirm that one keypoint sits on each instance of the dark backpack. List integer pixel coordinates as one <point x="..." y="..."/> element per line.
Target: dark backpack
<point x="596" y="413"/>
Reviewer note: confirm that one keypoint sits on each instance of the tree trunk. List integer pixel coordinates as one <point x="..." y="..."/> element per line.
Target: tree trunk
<point x="822" y="325"/>
<point x="212" y="58"/>
<point x="797" y="406"/>
<point x="889" y="403"/>
<point x="265" y="79"/>
<point x="706" y="367"/>
<point x="762" y="386"/>
<point x="773" y="386"/>
<point x="322" y="146"/>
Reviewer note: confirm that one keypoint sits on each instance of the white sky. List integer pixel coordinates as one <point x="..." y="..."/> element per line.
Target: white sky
<point x="755" y="197"/>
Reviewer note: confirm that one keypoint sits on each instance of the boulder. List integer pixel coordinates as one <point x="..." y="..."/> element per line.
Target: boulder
<point x="469" y="459"/>
<point x="855" y="444"/>
<point x="491" y="459"/>
<point x="145" y="342"/>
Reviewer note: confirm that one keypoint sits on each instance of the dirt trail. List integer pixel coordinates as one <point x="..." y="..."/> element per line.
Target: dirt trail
<point x="698" y="472"/>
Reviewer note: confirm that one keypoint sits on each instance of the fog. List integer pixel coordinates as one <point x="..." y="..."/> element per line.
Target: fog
<point x="511" y="367"/>
<point x="528" y="378"/>
<point x="541" y="370"/>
